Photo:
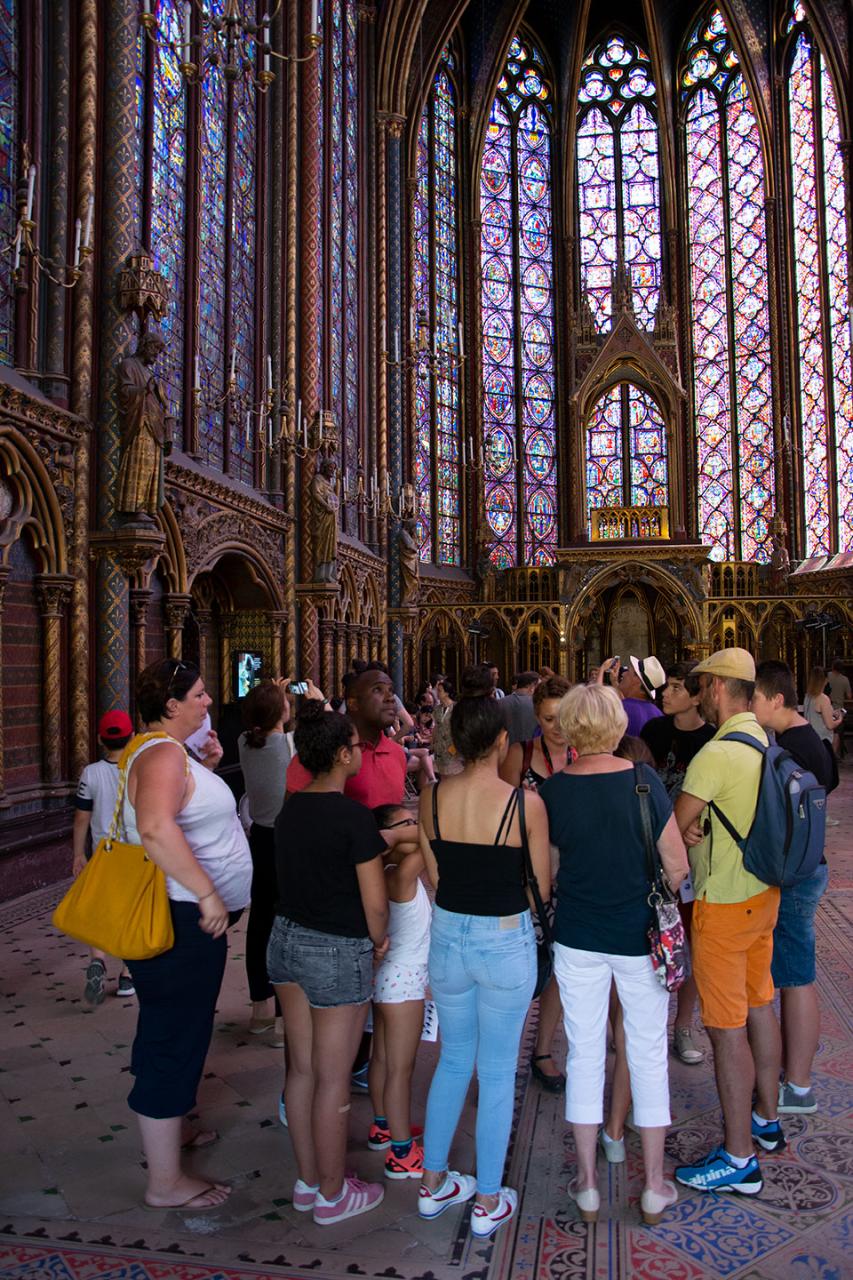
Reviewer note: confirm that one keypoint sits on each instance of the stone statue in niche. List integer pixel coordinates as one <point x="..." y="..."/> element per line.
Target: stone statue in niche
<point x="324" y="521"/>
<point x="409" y="561"/>
<point x="146" y="432"/>
<point x="780" y="561"/>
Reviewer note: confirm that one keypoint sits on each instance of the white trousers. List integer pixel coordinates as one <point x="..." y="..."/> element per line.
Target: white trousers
<point x="584" y="981"/>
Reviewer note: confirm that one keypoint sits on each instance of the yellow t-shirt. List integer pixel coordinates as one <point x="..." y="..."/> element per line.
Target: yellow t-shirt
<point x="727" y="773"/>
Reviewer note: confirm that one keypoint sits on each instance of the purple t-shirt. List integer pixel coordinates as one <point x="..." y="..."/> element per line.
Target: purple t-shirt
<point x="639" y="711"/>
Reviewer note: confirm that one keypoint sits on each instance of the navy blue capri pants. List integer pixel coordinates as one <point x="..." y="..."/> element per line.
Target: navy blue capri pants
<point x="177" y="993"/>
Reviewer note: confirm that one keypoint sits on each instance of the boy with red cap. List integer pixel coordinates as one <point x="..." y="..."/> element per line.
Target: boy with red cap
<point x="94" y="806"/>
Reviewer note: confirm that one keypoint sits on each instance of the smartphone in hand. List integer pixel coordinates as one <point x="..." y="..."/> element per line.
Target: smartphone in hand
<point x="299" y="686"/>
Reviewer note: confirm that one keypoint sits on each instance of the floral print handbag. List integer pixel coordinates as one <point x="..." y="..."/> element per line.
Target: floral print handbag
<point x="667" y="941"/>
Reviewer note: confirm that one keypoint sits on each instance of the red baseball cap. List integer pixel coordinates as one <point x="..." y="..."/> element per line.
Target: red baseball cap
<point x="115" y="725"/>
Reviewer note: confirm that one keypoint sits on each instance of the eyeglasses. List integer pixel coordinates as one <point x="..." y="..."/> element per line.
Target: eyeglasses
<point x="404" y="822"/>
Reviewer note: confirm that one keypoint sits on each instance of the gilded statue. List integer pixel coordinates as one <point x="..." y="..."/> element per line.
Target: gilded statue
<point x="324" y="520"/>
<point x="146" y="431"/>
<point x="409" y="561"/>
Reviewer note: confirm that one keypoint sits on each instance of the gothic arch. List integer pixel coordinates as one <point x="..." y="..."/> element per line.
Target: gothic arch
<point x="679" y="598"/>
<point x="172" y="560"/>
<point x="33" y="503"/>
<point x="260" y="571"/>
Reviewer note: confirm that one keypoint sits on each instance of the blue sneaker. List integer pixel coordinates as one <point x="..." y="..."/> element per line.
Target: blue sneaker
<point x="769" y="1135"/>
<point x="717" y="1173"/>
<point x="359" y="1078"/>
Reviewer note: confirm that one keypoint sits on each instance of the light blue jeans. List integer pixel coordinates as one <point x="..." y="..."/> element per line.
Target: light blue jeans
<point x="482" y="970"/>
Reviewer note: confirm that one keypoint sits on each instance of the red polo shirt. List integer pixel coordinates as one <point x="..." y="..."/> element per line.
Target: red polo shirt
<point x="380" y="780"/>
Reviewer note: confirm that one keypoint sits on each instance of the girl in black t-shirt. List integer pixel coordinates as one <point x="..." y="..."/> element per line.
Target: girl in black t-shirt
<point x="330" y="927"/>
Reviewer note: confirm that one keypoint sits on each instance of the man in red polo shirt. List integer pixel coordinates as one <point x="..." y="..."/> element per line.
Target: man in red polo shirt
<point x="382" y="776"/>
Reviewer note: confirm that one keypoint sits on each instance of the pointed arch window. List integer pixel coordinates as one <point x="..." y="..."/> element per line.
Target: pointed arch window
<point x="626" y="423"/>
<point x="8" y="170"/>
<point x="436" y="292"/>
<point x="819" y="250"/>
<point x="517" y="305"/>
<point x="732" y="395"/>
<point x="218" y="246"/>
<point x="618" y="178"/>
<point x="341" y="187"/>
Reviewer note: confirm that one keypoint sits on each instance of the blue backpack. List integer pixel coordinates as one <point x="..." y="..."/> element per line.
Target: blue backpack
<point x="785" y="842"/>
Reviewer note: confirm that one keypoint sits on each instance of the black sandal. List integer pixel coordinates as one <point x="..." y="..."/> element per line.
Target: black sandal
<point x="551" y="1084"/>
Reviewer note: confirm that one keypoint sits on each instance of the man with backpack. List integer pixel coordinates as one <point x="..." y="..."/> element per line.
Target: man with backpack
<point x="775" y="706"/>
<point x="733" y="920"/>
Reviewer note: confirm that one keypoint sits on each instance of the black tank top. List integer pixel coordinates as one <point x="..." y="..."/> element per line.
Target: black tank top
<point x="480" y="879"/>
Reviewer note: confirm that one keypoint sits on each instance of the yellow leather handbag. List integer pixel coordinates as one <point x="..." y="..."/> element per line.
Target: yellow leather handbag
<point x="118" y="903"/>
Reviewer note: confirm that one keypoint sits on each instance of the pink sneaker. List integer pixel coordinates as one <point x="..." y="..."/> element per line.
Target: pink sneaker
<point x="304" y="1196"/>
<point x="357" y="1197"/>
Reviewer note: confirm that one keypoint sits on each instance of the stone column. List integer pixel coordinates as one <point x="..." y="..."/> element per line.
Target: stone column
<point x="81" y="387"/>
<point x="341" y="656"/>
<point x="4" y="578"/>
<point x="278" y="624"/>
<point x="116" y="241"/>
<point x="227" y="631"/>
<point x="140" y="598"/>
<point x="175" y="610"/>
<point x="53" y="591"/>
<point x="59" y="100"/>
<point x="327" y="656"/>
<point x="394" y="320"/>
<point x="204" y="619"/>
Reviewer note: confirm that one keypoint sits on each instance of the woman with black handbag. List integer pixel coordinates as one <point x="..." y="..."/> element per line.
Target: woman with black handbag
<point x="482" y="962"/>
<point x="602" y="933"/>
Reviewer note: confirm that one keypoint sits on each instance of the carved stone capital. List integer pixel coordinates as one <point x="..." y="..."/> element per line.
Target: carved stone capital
<point x="175" y="610"/>
<point x="140" y="599"/>
<point x="54" y="592"/>
<point x="392" y="121"/>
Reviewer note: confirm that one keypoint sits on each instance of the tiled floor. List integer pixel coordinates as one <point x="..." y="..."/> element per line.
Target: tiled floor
<point x="71" y="1178"/>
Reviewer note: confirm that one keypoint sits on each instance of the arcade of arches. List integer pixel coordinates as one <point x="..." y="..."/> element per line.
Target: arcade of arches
<point x="549" y="304"/>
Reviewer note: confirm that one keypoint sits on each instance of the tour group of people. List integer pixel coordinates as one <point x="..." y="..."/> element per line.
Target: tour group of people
<point x="362" y="900"/>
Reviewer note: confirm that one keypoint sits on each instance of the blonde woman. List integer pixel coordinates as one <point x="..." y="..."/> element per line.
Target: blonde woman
<point x="601" y="934"/>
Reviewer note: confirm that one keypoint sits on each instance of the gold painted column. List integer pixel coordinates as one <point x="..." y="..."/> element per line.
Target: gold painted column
<point x="4" y="578"/>
<point x="227" y="632"/>
<point x="278" y="623"/>
<point x="53" y="591"/>
<point x="140" y="598"/>
<point x="340" y="656"/>
<point x="204" y="621"/>
<point x="327" y="656"/>
<point x="175" y="610"/>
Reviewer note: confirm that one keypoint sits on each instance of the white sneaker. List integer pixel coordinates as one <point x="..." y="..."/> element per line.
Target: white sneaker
<point x="485" y="1222"/>
<point x="455" y="1189"/>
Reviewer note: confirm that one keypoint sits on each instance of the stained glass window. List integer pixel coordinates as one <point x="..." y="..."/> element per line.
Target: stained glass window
<point x="618" y="178"/>
<point x="212" y="265"/>
<point x="8" y="170"/>
<point x="342" y="161"/>
<point x="732" y="397"/>
<point x="626" y="424"/>
<point x="819" y="248"/>
<point x="168" y="187"/>
<point x="436" y="269"/>
<point x="517" y="303"/>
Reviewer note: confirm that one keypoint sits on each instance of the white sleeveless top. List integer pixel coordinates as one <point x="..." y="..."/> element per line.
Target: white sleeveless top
<point x="408" y="928"/>
<point x="212" y="831"/>
<point x="815" y="718"/>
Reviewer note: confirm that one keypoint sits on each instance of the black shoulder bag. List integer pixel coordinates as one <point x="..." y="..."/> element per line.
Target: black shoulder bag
<point x="544" y="949"/>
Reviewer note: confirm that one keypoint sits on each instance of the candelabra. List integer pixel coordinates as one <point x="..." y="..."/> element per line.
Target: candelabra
<point x="232" y="40"/>
<point x="425" y="351"/>
<point x="23" y="244"/>
<point x="371" y="499"/>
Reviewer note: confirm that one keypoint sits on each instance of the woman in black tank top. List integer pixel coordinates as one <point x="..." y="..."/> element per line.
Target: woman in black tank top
<point x="482" y="957"/>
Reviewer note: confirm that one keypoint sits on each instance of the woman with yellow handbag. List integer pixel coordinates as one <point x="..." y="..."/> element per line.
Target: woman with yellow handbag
<point x="186" y="819"/>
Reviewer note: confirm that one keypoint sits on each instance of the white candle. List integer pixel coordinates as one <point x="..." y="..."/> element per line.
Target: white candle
<point x="248" y="427"/>
<point x="435" y="342"/>
<point x="298" y="418"/>
<point x="233" y="373"/>
<point x="320" y="428"/>
<point x="146" y="6"/>
<point x="387" y="485"/>
<point x="31" y="187"/>
<point x="77" y="234"/>
<point x="413" y="323"/>
<point x="17" y="262"/>
<point x="397" y="344"/>
<point x="470" y="451"/>
<point x="314" y="18"/>
<point x="197" y="375"/>
<point x="304" y="429"/>
<point x="461" y="330"/>
<point x="188" y="18"/>
<point x="265" y="35"/>
<point x="269" y="431"/>
<point x="269" y="373"/>
<point x="90" y="213"/>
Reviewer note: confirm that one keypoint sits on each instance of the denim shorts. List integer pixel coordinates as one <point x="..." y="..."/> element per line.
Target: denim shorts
<point x="794" y="935"/>
<point x="331" y="970"/>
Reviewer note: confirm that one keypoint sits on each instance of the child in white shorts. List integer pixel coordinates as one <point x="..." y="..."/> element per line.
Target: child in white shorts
<point x="399" y="989"/>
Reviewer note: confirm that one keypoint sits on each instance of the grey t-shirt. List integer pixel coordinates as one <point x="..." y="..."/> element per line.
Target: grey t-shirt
<point x="519" y="716"/>
<point x="264" y="770"/>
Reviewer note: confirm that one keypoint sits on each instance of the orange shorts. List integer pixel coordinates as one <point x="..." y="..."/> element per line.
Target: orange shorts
<point x="732" y="947"/>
